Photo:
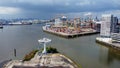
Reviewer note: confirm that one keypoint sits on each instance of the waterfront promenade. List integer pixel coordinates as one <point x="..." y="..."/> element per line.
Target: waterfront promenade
<point x="107" y="41"/>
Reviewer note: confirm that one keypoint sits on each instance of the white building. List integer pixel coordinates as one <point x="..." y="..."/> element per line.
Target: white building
<point x="106" y="25"/>
<point x="58" y="22"/>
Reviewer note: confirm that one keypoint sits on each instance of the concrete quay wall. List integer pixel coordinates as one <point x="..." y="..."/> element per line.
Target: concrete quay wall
<point x="70" y="35"/>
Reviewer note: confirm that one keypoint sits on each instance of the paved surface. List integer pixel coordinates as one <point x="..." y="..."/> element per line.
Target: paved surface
<point x="43" y="61"/>
<point x="108" y="41"/>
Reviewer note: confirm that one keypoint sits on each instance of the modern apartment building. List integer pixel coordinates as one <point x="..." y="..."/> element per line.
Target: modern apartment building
<point x="105" y="31"/>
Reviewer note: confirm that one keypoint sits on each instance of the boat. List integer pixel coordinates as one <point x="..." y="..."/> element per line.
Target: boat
<point x="1" y="26"/>
<point x="20" y="23"/>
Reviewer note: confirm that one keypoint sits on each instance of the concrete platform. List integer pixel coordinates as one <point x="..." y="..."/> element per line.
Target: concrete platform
<point x="44" y="61"/>
<point x="108" y="42"/>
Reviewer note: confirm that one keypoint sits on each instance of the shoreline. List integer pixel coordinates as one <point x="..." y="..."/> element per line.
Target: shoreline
<point x="65" y="35"/>
<point x="107" y="43"/>
<point x="78" y="65"/>
<point x="4" y="62"/>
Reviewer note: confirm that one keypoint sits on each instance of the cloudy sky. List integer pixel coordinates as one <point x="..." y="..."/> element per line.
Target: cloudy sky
<point x="46" y="9"/>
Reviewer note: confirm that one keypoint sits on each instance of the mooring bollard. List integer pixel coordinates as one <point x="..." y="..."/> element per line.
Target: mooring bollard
<point x="14" y="52"/>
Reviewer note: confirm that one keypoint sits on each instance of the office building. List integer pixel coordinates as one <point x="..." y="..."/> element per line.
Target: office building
<point x="114" y="25"/>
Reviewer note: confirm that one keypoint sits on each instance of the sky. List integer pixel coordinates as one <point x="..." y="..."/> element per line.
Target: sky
<point x="46" y="9"/>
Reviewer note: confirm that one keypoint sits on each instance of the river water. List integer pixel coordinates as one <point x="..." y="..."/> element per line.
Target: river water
<point x="83" y="50"/>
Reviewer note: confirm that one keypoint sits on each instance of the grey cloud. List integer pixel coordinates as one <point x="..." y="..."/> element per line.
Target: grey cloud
<point x="46" y="8"/>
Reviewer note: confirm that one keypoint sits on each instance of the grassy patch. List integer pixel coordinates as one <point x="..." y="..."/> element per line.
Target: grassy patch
<point x="30" y="55"/>
<point x="50" y="50"/>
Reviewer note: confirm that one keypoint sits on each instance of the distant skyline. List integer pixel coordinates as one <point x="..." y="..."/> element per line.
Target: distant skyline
<point x="45" y="9"/>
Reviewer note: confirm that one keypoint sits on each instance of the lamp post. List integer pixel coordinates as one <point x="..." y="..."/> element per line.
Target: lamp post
<point x="44" y="41"/>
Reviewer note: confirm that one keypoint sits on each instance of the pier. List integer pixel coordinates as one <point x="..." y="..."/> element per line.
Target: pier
<point x="66" y="35"/>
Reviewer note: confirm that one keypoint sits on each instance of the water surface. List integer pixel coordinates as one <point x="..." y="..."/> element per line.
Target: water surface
<point x="83" y="50"/>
